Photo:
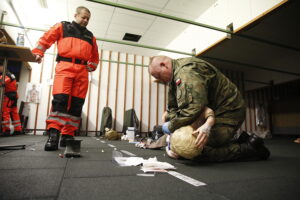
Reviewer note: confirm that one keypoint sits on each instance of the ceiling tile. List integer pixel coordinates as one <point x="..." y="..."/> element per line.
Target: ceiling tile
<point x="154" y="5"/>
<point x="131" y="19"/>
<point x="191" y="9"/>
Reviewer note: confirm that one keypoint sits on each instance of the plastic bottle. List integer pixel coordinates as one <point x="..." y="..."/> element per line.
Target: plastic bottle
<point x="20" y="39"/>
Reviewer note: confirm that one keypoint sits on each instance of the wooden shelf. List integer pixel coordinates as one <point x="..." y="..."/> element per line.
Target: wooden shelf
<point x="16" y="53"/>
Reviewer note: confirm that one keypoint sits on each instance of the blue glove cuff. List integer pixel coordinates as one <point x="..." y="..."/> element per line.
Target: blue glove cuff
<point x="165" y="128"/>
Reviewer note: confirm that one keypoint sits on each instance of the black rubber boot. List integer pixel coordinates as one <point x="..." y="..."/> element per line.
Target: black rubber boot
<point x="243" y="137"/>
<point x="64" y="138"/>
<point x="53" y="140"/>
<point x="18" y="133"/>
<point x="254" y="149"/>
<point x="6" y="133"/>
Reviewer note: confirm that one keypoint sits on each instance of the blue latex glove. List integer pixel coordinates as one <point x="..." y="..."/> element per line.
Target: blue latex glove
<point x="165" y="128"/>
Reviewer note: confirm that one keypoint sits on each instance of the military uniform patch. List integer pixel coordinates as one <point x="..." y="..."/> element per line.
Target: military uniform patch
<point x="178" y="81"/>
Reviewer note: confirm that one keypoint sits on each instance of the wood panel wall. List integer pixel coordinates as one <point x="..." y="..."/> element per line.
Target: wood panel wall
<point x="116" y="85"/>
<point x="125" y="86"/>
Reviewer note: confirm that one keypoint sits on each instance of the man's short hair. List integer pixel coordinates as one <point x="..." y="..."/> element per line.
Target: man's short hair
<point x="150" y="62"/>
<point x="152" y="58"/>
<point x="80" y="8"/>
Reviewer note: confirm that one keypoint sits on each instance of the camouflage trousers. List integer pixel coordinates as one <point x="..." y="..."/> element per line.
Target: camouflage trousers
<point x="221" y="145"/>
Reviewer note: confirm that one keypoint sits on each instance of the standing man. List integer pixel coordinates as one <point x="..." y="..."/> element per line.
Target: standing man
<point x="10" y="100"/>
<point x="195" y="84"/>
<point x="77" y="55"/>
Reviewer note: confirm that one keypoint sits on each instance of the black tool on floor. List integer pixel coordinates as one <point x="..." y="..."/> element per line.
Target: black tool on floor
<point x="72" y="148"/>
<point x="12" y="147"/>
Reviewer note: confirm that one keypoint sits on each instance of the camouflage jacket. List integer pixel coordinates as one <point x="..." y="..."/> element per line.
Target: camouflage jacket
<point x="196" y="84"/>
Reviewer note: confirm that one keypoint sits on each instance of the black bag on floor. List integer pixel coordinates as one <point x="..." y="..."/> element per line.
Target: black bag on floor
<point x="106" y="120"/>
<point x="130" y="120"/>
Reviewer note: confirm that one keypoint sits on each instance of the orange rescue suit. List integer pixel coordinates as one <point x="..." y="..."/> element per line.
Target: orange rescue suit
<point x="10" y="100"/>
<point x="77" y="54"/>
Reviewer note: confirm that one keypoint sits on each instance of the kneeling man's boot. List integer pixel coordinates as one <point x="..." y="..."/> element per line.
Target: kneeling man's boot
<point x="243" y="137"/>
<point x="53" y="140"/>
<point x="254" y="149"/>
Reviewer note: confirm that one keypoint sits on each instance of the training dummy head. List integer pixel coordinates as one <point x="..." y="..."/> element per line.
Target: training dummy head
<point x="183" y="143"/>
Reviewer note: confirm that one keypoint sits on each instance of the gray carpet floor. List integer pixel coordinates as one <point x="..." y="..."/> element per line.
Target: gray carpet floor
<point x="32" y="173"/>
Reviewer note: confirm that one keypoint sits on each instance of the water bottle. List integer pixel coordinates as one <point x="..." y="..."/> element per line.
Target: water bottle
<point x="20" y="39"/>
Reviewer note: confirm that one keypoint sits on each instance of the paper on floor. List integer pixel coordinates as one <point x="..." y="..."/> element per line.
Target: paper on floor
<point x="128" y="161"/>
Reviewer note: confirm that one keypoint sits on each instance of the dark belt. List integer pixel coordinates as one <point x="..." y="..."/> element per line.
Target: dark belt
<point x="72" y="60"/>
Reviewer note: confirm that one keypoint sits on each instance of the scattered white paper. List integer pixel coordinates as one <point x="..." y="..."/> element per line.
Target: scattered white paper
<point x="153" y="169"/>
<point x="149" y="165"/>
<point x="128" y="161"/>
<point x="153" y="163"/>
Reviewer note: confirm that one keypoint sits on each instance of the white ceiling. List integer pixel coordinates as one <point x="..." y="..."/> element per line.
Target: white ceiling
<point x="112" y="23"/>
